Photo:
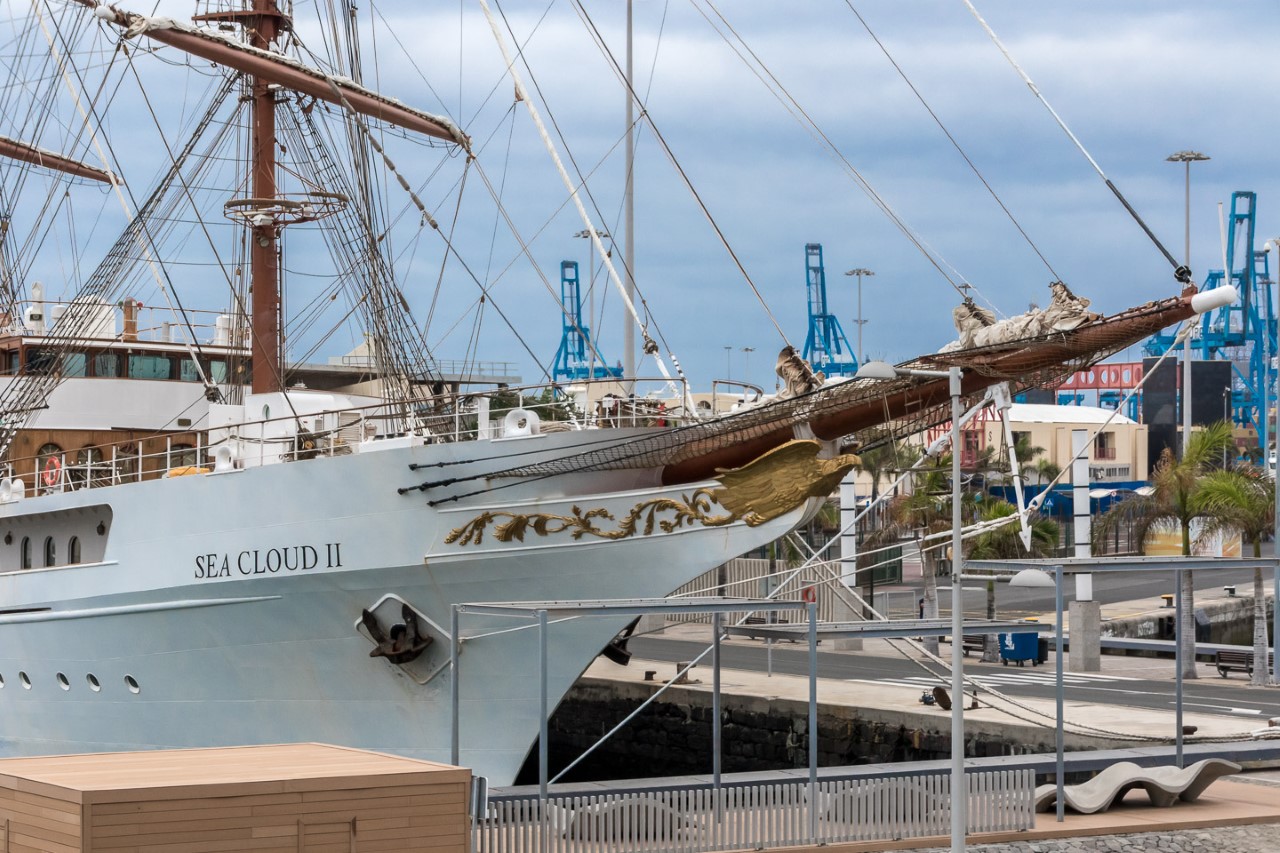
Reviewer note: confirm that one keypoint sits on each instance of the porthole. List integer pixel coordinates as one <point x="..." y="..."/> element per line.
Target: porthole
<point x="132" y="684"/>
<point x="26" y="682"/>
<point x="93" y="682"/>
<point x="1" y="682"/>
<point x="63" y="682"/>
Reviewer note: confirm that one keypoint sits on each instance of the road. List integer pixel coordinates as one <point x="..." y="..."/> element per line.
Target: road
<point x="1227" y="697"/>
<point x="1015" y="602"/>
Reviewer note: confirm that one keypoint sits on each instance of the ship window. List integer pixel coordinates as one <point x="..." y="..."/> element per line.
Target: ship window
<point x="94" y="684"/>
<point x="183" y="455"/>
<point x="41" y="360"/>
<point x="63" y="681"/>
<point x="9" y="363"/>
<point x="106" y="364"/>
<point x="187" y="371"/>
<point x="26" y="552"/>
<point x="25" y="679"/>
<point x="73" y="550"/>
<point x="218" y="371"/>
<point x="150" y="367"/>
<point x="50" y="552"/>
<point x="132" y="684"/>
<point x="75" y="364"/>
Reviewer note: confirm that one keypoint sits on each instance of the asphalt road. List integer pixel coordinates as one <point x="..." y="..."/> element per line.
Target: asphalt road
<point x="1014" y="602"/>
<point x="1228" y="697"/>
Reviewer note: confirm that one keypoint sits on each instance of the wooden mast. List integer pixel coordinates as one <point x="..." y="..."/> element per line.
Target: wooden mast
<point x="264" y="254"/>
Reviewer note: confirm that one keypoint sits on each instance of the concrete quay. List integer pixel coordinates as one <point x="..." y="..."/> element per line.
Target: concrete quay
<point x="1235" y="815"/>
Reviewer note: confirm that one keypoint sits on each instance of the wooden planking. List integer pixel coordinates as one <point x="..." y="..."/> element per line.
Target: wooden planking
<point x="281" y="799"/>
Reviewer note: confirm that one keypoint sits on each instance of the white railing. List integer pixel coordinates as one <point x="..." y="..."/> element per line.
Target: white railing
<point x="761" y="816"/>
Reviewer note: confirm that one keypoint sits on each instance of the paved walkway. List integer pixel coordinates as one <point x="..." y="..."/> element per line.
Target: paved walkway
<point x="1235" y="815"/>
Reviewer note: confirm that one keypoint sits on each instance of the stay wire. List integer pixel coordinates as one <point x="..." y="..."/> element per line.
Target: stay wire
<point x="952" y="140"/>
<point x="644" y="115"/>
<point x="1180" y="272"/>
<point x="789" y="103"/>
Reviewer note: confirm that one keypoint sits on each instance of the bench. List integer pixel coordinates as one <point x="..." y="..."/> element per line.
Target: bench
<point x="973" y="643"/>
<point x="1226" y="661"/>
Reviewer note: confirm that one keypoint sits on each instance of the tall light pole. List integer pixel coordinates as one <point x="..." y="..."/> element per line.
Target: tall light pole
<point x="1266" y="455"/>
<point x="959" y="793"/>
<point x="746" y="362"/>
<point x="1187" y="158"/>
<point x="860" y="272"/>
<point x="585" y="234"/>
<point x="728" y="365"/>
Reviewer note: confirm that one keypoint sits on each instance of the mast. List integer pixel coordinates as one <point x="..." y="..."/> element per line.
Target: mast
<point x="629" y="227"/>
<point x="264" y="255"/>
<point x="262" y="23"/>
<point x="265" y="213"/>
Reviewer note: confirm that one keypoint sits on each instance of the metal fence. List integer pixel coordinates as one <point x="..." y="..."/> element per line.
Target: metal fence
<point x="760" y="816"/>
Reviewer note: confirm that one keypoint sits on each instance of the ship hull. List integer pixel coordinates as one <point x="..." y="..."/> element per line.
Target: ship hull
<point x="224" y="612"/>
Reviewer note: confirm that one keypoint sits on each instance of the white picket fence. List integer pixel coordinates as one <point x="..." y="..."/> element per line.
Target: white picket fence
<point x="759" y="816"/>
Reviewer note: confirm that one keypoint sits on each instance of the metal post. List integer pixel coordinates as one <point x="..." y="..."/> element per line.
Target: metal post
<point x="715" y="703"/>
<point x="959" y="796"/>
<point x="1059" y="691"/>
<point x="1177" y="662"/>
<point x="455" y="749"/>
<point x="813" y="722"/>
<point x="629" y="223"/>
<point x="1275" y="601"/>
<point x="542" y="711"/>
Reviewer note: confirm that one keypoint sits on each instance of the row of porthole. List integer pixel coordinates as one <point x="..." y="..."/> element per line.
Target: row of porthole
<point x="65" y="683"/>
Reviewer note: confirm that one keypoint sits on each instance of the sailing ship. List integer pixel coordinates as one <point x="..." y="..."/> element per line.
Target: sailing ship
<point x="275" y="563"/>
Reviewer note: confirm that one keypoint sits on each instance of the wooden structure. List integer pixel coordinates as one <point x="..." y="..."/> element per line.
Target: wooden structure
<point x="300" y="798"/>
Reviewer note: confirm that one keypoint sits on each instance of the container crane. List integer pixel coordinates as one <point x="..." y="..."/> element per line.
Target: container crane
<point x="1243" y="332"/>
<point x="826" y="348"/>
<point x="577" y="358"/>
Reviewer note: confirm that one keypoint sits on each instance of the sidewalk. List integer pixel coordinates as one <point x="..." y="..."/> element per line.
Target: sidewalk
<point x="1235" y="815"/>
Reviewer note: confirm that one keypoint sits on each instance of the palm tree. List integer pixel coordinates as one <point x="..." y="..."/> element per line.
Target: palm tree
<point x="877" y="462"/>
<point x="926" y="510"/>
<point x="1005" y="543"/>
<point x="1175" y="501"/>
<point x="1244" y="500"/>
<point x="1045" y="469"/>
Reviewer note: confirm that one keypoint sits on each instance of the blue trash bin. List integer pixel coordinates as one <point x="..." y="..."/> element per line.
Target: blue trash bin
<point x="1020" y="647"/>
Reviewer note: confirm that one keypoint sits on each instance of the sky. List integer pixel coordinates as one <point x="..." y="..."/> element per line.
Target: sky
<point x="1135" y="82"/>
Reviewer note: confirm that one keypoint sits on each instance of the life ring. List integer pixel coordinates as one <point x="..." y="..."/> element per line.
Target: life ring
<point x="809" y="594"/>
<point x="52" y="471"/>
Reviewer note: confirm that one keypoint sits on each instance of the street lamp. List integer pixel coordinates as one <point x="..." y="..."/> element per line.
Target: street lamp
<point x="959" y="795"/>
<point x="1035" y="578"/>
<point x="860" y="272"/>
<point x="1187" y="158"/>
<point x="728" y="365"/>
<point x="585" y="234"/>
<point x="1268" y="457"/>
<point x="746" y="362"/>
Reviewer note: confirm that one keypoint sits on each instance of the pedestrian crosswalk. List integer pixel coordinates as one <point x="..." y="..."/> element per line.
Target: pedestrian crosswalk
<point x="1011" y="677"/>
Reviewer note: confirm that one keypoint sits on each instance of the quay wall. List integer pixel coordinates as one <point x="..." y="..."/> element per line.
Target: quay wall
<point x="672" y="737"/>
<point x="1228" y="619"/>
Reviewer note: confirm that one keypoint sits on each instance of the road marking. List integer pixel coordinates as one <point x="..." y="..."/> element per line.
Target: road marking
<point x="1252" y="712"/>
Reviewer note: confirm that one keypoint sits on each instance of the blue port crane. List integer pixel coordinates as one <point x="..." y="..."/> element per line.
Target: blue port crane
<point x="1243" y="332"/>
<point x="574" y="360"/>
<point x="826" y="348"/>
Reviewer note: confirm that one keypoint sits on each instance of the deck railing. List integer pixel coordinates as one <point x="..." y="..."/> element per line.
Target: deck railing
<point x="757" y="816"/>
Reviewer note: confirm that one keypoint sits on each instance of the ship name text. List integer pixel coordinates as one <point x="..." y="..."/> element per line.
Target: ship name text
<point x="269" y="561"/>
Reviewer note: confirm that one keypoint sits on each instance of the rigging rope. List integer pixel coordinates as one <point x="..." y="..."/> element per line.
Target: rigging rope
<point x="952" y="139"/>
<point x="798" y="112"/>
<point x="1180" y="272"/>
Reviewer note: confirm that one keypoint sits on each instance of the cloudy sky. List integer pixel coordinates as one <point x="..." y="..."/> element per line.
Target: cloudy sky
<point x="1136" y="81"/>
